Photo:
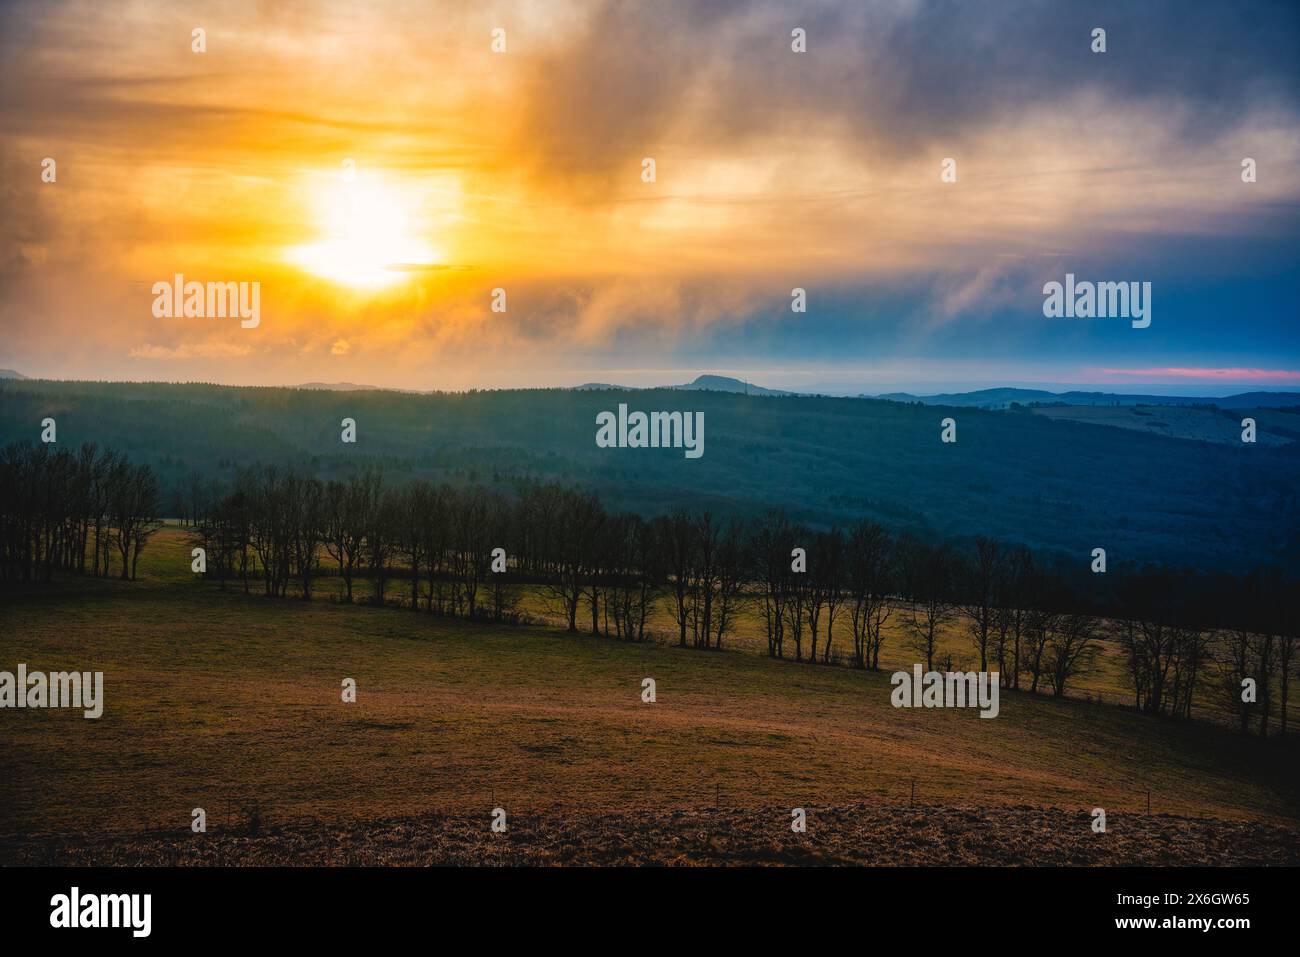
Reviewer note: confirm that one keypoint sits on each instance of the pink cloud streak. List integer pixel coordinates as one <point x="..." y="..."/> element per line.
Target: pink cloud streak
<point x="1177" y="372"/>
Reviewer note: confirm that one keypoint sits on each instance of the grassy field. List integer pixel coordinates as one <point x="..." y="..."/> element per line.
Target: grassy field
<point x="1104" y="681"/>
<point x="226" y="702"/>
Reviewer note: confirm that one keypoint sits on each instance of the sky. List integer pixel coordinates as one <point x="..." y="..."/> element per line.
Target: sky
<point x="379" y="169"/>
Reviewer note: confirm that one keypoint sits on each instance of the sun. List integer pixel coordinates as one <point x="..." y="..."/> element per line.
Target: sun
<point x="366" y="236"/>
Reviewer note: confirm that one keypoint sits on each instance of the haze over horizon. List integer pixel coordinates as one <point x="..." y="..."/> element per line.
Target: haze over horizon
<point x="381" y="171"/>
<point x="783" y="381"/>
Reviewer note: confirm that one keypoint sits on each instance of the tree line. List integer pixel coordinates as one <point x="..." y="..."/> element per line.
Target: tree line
<point x="89" y="512"/>
<point x="828" y="596"/>
<point x="831" y="596"/>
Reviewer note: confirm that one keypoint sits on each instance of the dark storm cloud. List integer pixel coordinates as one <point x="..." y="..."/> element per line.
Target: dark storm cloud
<point x="898" y="75"/>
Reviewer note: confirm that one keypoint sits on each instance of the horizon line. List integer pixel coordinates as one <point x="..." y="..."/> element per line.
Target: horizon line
<point x="1118" y="389"/>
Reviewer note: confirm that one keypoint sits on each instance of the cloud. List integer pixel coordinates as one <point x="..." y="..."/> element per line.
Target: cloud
<point x="1276" y="376"/>
<point x="775" y="170"/>
<point x="214" y="350"/>
<point x="899" y="77"/>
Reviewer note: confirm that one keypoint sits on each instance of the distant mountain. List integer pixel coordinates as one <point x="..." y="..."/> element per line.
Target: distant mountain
<point x="11" y="374"/>
<point x="1001" y="398"/>
<point x="1259" y="400"/>
<point x="704" y="383"/>
<point x="338" y="387"/>
<point x="981" y="399"/>
<point x="722" y="383"/>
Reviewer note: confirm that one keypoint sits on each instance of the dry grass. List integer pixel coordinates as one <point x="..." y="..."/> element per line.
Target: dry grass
<point x="223" y="701"/>
<point x="857" y="834"/>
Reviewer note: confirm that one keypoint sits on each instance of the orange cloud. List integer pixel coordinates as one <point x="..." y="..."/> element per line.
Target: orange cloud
<point x="523" y="171"/>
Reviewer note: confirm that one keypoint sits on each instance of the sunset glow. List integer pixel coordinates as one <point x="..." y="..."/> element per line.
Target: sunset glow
<point x="380" y="170"/>
<point x="366" y="234"/>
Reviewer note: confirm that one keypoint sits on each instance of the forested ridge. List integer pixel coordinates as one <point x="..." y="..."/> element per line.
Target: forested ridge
<point x="1061" y="487"/>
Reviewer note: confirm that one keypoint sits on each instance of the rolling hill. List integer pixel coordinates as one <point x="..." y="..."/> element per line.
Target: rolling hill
<point x="1060" y="485"/>
<point x="1002" y="398"/>
<point x="230" y="702"/>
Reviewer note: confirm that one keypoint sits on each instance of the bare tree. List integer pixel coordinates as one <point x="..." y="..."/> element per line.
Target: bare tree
<point x="1071" y="650"/>
<point x="307" y="497"/>
<point x="347" y="518"/>
<point x="928" y="573"/>
<point x="980" y="595"/>
<point x="870" y="581"/>
<point x="770" y="545"/>
<point x="1235" y="666"/>
<point x="832" y="570"/>
<point x="677" y="539"/>
<point x="732" y="566"/>
<point x="572" y="546"/>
